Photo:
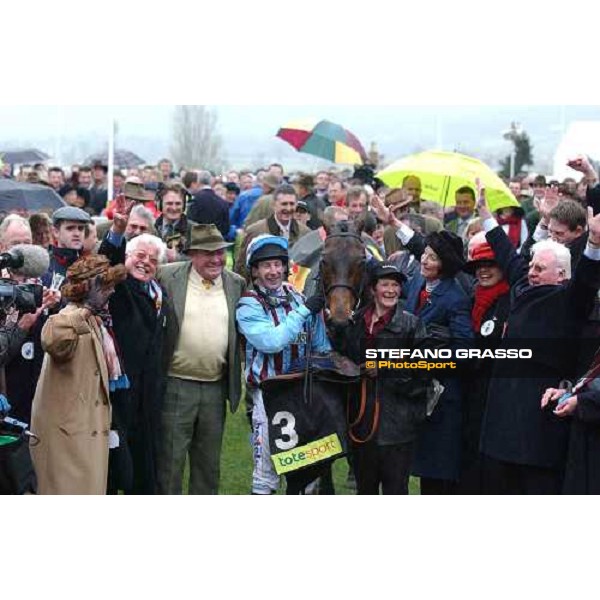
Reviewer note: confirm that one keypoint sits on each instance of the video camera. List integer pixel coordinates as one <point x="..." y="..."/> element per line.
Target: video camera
<point x="23" y="297"/>
<point x="27" y="261"/>
<point x="366" y="175"/>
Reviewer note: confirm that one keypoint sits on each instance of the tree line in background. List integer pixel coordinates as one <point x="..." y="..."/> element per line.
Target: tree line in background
<point x="196" y="142"/>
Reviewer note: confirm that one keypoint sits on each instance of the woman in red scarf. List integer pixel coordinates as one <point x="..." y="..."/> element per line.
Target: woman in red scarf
<point x="489" y="314"/>
<point x="491" y="291"/>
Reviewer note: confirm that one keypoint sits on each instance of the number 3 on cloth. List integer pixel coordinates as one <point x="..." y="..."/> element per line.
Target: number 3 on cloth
<point x="287" y="422"/>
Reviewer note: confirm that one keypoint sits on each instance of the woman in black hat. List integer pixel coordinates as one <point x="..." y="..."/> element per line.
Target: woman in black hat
<point x="385" y="416"/>
<point x="436" y="297"/>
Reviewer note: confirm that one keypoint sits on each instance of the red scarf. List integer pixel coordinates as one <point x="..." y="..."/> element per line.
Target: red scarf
<point x="514" y="228"/>
<point x="423" y="299"/>
<point x="485" y="297"/>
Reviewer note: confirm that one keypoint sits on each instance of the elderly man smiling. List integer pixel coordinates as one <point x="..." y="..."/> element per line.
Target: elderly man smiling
<point x="204" y="363"/>
<point x="139" y="311"/>
<point x="527" y="446"/>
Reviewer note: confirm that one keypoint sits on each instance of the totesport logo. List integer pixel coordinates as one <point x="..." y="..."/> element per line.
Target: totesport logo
<point x="304" y="456"/>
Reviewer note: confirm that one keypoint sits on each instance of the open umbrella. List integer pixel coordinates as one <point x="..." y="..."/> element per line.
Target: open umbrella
<point x="443" y="173"/>
<point x="23" y="156"/>
<point x="124" y="159"/>
<point x="27" y="197"/>
<point x="325" y="140"/>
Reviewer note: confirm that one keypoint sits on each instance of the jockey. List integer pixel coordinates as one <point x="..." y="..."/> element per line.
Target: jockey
<point x="275" y="322"/>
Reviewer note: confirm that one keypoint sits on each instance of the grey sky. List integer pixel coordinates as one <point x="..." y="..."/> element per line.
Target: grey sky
<point x="249" y="131"/>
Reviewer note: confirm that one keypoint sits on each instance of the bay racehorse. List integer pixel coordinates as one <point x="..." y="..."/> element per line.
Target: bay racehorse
<point x="343" y="272"/>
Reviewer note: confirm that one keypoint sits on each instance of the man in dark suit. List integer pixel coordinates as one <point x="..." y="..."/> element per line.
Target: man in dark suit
<point x="464" y="210"/>
<point x="202" y="357"/>
<point x="207" y="208"/>
<point x="526" y="446"/>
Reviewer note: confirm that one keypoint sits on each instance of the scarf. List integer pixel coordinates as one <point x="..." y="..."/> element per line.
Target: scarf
<point x="485" y="298"/>
<point x="514" y="228"/>
<point x="156" y="295"/>
<point x="117" y="378"/>
<point x="426" y="293"/>
<point x="280" y="297"/>
<point x="593" y="373"/>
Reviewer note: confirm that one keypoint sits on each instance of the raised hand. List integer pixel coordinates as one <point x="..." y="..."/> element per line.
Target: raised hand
<point x="121" y="214"/>
<point x="98" y="295"/>
<point x="583" y="165"/>
<point x="381" y="210"/>
<point x="548" y="203"/>
<point x="482" y="205"/>
<point x="593" y="228"/>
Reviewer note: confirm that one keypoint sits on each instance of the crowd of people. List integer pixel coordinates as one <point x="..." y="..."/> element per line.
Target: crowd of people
<point x="174" y="299"/>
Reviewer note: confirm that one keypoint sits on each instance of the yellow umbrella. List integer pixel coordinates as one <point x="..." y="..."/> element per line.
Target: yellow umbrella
<point x="443" y="173"/>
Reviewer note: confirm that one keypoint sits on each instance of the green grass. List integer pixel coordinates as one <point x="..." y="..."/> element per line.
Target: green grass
<point x="236" y="462"/>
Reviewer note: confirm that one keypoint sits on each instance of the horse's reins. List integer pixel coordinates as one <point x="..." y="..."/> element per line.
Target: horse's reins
<point x="361" y="412"/>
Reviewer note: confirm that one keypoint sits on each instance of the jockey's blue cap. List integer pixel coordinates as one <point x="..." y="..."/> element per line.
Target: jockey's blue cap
<point x="266" y="247"/>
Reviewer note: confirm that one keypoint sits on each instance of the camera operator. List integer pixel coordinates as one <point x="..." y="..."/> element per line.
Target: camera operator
<point x="20" y="311"/>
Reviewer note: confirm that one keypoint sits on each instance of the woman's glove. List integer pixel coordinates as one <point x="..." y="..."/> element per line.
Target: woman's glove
<point x="98" y="296"/>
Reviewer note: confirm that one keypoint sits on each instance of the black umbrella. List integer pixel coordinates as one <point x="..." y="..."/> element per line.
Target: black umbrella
<point x="15" y="195"/>
<point x="124" y="159"/>
<point x="21" y="157"/>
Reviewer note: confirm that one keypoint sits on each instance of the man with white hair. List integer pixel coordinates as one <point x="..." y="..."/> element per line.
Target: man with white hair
<point x="525" y="446"/>
<point x="138" y="310"/>
<point x="14" y="230"/>
<point x="25" y="355"/>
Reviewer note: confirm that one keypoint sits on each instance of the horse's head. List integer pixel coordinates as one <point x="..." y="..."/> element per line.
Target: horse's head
<point x="342" y="272"/>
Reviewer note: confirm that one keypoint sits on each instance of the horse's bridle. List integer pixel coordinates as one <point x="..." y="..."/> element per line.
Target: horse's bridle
<point x="356" y="293"/>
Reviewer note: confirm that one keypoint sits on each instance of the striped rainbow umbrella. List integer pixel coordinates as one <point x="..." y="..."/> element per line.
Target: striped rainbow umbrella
<point x="325" y="140"/>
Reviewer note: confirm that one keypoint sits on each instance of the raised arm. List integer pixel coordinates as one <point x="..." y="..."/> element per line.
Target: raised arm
<point x="413" y="241"/>
<point x="513" y="265"/>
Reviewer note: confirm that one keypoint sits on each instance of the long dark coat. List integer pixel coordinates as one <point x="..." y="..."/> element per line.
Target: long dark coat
<point x="549" y="318"/>
<point x="403" y="399"/>
<point x="475" y="388"/>
<point x="438" y="452"/>
<point x="139" y="330"/>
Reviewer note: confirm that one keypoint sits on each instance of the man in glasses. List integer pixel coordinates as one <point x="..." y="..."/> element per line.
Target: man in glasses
<point x="138" y="310"/>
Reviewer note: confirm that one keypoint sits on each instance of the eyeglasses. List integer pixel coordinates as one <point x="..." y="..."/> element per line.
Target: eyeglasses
<point x="141" y="255"/>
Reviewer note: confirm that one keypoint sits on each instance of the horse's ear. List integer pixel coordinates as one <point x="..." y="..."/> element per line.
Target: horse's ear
<point x="359" y="225"/>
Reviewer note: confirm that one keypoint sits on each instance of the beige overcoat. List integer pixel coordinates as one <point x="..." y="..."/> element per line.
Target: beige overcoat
<point x="71" y="408"/>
